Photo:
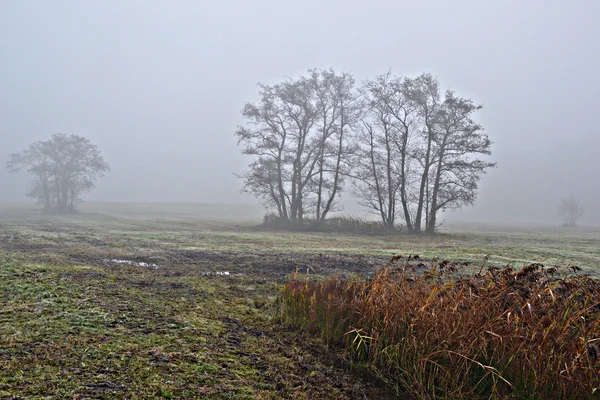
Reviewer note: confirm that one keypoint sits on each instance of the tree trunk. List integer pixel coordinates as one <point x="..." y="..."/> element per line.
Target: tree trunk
<point x="374" y="169"/>
<point x="284" y="211"/>
<point x="336" y="177"/>
<point x="436" y="187"/>
<point x="404" y="201"/>
<point x="319" y="190"/>
<point x="391" y="195"/>
<point x="294" y="205"/>
<point x="424" y="179"/>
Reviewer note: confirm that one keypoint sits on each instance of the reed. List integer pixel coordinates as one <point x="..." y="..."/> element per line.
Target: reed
<point x="496" y="333"/>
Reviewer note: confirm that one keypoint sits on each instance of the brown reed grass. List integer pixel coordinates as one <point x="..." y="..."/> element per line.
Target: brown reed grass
<point x="497" y="333"/>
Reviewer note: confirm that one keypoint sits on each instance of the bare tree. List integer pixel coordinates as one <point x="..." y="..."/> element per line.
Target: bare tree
<point x="570" y="210"/>
<point x="382" y="169"/>
<point x="339" y="108"/>
<point x="419" y="151"/>
<point x="297" y="136"/>
<point x="269" y="175"/>
<point x="424" y="93"/>
<point x="64" y="168"/>
<point x="375" y="175"/>
<point x="457" y="141"/>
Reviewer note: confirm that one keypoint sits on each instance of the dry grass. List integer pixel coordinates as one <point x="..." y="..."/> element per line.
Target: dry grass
<point x="500" y="333"/>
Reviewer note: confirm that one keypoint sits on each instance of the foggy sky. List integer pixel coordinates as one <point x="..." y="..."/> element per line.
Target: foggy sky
<point x="159" y="85"/>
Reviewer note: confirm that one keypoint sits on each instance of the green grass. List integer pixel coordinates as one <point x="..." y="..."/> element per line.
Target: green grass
<point x="81" y="331"/>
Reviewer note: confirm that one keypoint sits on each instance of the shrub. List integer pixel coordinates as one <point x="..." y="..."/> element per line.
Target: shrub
<point x="341" y="224"/>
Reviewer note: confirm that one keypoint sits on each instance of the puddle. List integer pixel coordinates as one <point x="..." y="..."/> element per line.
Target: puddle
<point x="218" y="273"/>
<point x="132" y="263"/>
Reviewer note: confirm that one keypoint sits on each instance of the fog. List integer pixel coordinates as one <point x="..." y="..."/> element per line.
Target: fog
<point x="159" y="85"/>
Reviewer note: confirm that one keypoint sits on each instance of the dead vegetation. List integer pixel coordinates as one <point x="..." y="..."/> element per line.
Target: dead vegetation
<point x="498" y="333"/>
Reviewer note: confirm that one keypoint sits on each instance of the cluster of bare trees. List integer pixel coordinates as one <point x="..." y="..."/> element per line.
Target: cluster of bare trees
<point x="300" y="137"/>
<point x="408" y="150"/>
<point x="63" y="169"/>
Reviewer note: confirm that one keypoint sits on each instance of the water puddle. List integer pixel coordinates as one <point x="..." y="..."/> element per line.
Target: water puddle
<point x="132" y="263"/>
<point x="218" y="273"/>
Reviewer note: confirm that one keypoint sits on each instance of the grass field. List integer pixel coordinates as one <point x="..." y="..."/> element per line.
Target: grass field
<point x="74" y="324"/>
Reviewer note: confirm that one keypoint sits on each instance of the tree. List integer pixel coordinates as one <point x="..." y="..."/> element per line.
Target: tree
<point x="457" y="141"/>
<point x="296" y="133"/>
<point x="419" y="151"/>
<point x="382" y="166"/>
<point x="570" y="210"/>
<point x="339" y="109"/>
<point x="424" y="94"/>
<point x="64" y="168"/>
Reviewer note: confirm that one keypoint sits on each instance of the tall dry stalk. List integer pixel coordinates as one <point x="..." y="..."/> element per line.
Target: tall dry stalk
<point x="497" y="333"/>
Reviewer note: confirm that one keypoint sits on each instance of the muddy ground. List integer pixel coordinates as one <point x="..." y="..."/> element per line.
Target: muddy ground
<point x="54" y="241"/>
<point x="76" y="324"/>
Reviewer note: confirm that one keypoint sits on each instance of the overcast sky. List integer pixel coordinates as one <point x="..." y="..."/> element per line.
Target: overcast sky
<point x="159" y="85"/>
